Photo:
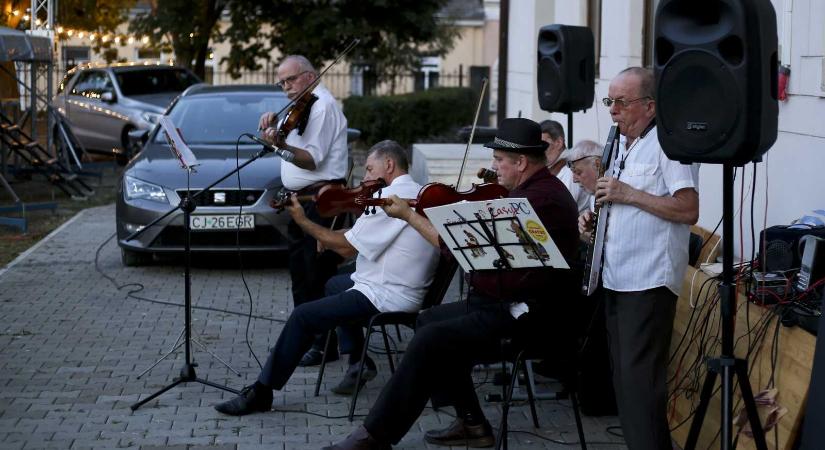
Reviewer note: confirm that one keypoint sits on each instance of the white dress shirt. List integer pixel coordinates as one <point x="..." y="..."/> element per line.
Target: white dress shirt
<point x="580" y="195"/>
<point x="643" y="251"/>
<point x="325" y="138"/>
<point x="395" y="264"/>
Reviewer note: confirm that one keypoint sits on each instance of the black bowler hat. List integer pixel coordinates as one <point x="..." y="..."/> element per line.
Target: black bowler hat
<point x="518" y="136"/>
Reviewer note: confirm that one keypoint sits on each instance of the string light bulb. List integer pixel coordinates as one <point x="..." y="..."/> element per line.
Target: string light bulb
<point x="145" y="39"/>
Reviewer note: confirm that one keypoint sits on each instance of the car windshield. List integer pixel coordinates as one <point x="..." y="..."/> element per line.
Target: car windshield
<point x="220" y="120"/>
<point x="154" y="81"/>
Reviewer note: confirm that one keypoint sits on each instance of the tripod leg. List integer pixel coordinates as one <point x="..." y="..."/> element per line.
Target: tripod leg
<point x="216" y="357"/>
<point x="699" y="417"/>
<point x="750" y="405"/>
<point x="218" y="386"/>
<point x="156" y="394"/>
<point x="178" y="343"/>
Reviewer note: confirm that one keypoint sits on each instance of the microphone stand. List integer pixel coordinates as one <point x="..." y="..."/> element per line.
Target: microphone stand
<point x="187" y="205"/>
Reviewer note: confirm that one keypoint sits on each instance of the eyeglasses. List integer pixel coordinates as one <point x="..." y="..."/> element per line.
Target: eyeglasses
<point x="621" y="102"/>
<point x="290" y="79"/>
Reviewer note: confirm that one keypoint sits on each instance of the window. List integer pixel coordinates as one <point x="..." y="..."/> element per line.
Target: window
<point x="647" y="32"/>
<point x="427" y="76"/>
<point x="362" y="79"/>
<point x="74" y="55"/>
<point x="92" y="83"/>
<point x="148" y="53"/>
<point x="594" y="21"/>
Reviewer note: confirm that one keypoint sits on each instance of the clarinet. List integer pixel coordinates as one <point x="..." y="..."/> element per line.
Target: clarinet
<point x="593" y="260"/>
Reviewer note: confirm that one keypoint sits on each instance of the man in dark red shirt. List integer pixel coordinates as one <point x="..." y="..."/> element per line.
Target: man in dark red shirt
<point x="450" y="339"/>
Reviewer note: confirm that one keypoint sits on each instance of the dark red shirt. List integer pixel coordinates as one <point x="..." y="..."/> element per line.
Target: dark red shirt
<point x="558" y="212"/>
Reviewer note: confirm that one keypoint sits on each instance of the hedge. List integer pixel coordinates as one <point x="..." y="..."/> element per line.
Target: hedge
<point x="408" y="118"/>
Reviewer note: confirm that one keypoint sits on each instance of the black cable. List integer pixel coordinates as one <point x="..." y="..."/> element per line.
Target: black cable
<point x="238" y="251"/>
<point x="139" y="287"/>
<point x="556" y="441"/>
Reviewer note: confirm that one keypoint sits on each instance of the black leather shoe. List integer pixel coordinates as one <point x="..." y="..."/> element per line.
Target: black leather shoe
<point x="347" y="385"/>
<point x="250" y="401"/>
<point x="475" y="436"/>
<point x="360" y="439"/>
<point x="313" y="357"/>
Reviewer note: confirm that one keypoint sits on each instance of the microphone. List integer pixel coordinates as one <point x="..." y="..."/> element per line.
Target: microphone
<point x="286" y="155"/>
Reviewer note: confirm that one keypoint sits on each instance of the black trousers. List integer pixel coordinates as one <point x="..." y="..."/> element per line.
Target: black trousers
<point x="308" y="269"/>
<point x="346" y="309"/>
<point x="449" y="340"/>
<point x="639" y="327"/>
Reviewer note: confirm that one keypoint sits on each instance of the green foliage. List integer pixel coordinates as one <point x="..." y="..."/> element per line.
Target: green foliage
<point x="97" y="16"/>
<point x="408" y="118"/>
<point x="185" y="25"/>
<point x="394" y="34"/>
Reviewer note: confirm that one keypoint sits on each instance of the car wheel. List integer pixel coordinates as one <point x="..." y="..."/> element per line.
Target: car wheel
<point x="132" y="258"/>
<point x="129" y="149"/>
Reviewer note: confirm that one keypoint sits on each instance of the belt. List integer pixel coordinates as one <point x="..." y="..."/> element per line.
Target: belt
<point x="315" y="187"/>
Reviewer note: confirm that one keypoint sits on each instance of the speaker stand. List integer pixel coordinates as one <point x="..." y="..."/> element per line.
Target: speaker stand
<point x="570" y="129"/>
<point x="727" y="365"/>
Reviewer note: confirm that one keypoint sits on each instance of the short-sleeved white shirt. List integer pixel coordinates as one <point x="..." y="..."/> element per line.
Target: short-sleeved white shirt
<point x="325" y="138"/>
<point x="580" y="195"/>
<point x="395" y="264"/>
<point x="643" y="251"/>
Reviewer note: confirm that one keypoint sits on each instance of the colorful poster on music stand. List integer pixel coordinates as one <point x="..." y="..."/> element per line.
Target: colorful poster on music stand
<point x="496" y="234"/>
<point x="176" y="143"/>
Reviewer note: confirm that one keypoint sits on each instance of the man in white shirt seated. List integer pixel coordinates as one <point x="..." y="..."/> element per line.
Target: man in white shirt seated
<point x="394" y="267"/>
<point x="553" y="134"/>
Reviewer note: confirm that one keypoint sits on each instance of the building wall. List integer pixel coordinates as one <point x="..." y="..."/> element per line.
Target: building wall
<point x="787" y="181"/>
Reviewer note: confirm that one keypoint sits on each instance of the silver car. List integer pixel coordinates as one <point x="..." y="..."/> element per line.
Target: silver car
<point x="103" y="103"/>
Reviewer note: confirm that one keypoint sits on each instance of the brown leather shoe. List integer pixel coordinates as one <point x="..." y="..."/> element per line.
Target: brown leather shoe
<point x="360" y="439"/>
<point x="475" y="436"/>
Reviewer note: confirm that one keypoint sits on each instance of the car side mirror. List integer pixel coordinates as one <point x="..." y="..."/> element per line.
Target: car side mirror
<point x="107" y="96"/>
<point x="138" y="137"/>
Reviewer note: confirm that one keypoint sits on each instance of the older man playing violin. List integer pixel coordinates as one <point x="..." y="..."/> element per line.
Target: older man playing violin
<point x="451" y="338"/>
<point x="393" y="269"/>
<point x="319" y="143"/>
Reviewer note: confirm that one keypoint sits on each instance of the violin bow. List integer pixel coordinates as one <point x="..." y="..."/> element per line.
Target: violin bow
<point x="350" y="46"/>
<point x="472" y="133"/>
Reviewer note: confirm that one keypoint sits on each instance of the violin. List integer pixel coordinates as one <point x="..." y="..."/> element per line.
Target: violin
<point x="337" y="200"/>
<point x="297" y="116"/>
<point x="440" y="194"/>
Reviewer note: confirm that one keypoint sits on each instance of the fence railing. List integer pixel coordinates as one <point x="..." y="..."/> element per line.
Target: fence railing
<point x="342" y="84"/>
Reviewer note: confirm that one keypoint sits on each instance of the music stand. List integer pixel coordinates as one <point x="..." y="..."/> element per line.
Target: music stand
<point x="187" y="205"/>
<point x="508" y="227"/>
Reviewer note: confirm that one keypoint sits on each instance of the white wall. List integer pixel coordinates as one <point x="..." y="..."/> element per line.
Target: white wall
<point x="794" y="166"/>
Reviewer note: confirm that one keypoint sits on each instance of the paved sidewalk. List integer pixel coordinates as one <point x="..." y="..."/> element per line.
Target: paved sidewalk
<point x="72" y="345"/>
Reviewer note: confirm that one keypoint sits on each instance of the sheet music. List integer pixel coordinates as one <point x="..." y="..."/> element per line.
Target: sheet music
<point x="176" y="143"/>
<point x="471" y="228"/>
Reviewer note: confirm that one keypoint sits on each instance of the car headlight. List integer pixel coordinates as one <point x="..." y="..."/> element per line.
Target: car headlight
<point x="139" y="189"/>
<point x="150" y="116"/>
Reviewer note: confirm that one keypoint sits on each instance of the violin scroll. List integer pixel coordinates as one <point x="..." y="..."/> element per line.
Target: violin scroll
<point x="488" y="175"/>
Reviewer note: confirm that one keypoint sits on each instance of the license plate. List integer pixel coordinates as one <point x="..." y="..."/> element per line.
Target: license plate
<point x="225" y="222"/>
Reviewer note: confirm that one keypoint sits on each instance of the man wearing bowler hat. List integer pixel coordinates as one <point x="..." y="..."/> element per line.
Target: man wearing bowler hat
<point x="527" y="304"/>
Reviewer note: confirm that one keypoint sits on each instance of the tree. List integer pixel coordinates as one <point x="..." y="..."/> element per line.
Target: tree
<point x="394" y="34"/>
<point x="186" y="25"/>
<point x="101" y="17"/>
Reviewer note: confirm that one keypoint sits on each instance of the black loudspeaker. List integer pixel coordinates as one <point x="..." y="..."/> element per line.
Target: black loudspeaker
<point x="566" y="73"/>
<point x="781" y="246"/>
<point x="716" y="79"/>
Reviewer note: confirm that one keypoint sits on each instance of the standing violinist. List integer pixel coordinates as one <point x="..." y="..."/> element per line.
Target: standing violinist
<point x="452" y="338"/>
<point x="319" y="143"/>
<point x="394" y="267"/>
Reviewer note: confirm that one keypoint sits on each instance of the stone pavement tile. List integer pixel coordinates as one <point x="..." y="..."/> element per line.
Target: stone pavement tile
<point x="74" y="345"/>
